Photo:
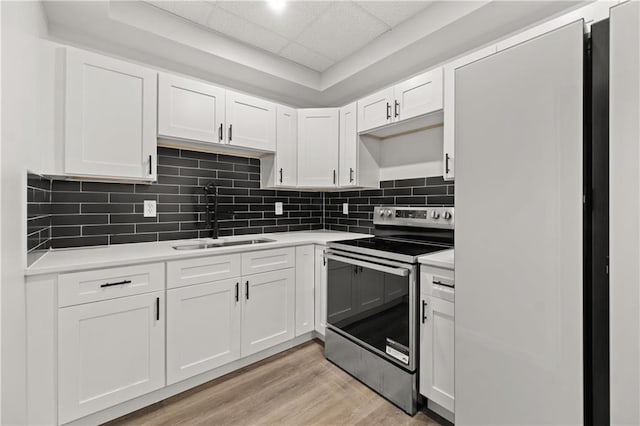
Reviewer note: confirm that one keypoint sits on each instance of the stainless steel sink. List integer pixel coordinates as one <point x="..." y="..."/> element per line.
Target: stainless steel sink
<point x="215" y="244"/>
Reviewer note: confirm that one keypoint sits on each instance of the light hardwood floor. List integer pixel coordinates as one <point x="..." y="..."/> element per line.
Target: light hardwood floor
<point x="297" y="387"/>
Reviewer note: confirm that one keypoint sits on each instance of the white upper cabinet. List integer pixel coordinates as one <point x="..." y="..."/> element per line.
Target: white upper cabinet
<point x="251" y="122"/>
<point x="348" y="146"/>
<point x="286" y="161"/>
<point x="414" y="97"/>
<point x="419" y="95"/>
<point x="375" y="110"/>
<point x="448" y="171"/>
<point x="190" y="109"/>
<point x="318" y="134"/>
<point x="110" y="117"/>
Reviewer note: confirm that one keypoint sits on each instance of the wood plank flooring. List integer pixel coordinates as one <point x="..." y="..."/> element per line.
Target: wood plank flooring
<point x="297" y="387"/>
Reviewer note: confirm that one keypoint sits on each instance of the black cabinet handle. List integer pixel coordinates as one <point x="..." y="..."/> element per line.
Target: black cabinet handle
<point x="246" y="286"/>
<point x="157" y="309"/>
<point x="117" y="283"/>
<point x="396" y="107"/>
<point x="237" y="292"/>
<point x="446" y="163"/>
<point x="388" y="111"/>
<point x="280" y="175"/>
<point x="220" y="133"/>
<point x="150" y="164"/>
<point x="334" y="176"/>
<point x="350" y="174"/>
<point x="424" y="314"/>
<point x="230" y="132"/>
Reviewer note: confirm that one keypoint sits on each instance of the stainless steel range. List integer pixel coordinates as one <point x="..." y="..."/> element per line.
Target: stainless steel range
<point x="372" y="298"/>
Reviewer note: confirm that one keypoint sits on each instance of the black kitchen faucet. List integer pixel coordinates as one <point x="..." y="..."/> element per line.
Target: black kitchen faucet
<point x="210" y="190"/>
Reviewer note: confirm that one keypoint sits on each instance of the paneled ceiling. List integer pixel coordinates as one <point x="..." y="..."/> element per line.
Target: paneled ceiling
<point x="310" y="53"/>
<point x="316" y="34"/>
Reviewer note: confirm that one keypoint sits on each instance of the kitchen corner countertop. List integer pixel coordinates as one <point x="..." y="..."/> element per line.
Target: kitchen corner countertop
<point x="78" y="259"/>
<point x="441" y="259"/>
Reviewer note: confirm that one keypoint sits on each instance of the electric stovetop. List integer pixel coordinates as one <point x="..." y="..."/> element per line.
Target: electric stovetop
<point x="389" y="247"/>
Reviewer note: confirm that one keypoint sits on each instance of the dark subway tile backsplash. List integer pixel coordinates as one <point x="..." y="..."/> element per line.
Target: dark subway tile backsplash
<point x="91" y="213"/>
<point x="430" y="191"/>
<point x="75" y="214"/>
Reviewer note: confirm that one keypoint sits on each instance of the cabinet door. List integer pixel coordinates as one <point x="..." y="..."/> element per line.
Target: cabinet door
<point x="437" y="351"/>
<point x="375" y="110"/>
<point x="110" y="117"/>
<point x="109" y="352"/>
<point x="419" y="95"/>
<point x="268" y="314"/>
<point x="203" y="328"/>
<point x="190" y="109"/>
<point x="348" y="157"/>
<point x="320" y="290"/>
<point x="251" y="122"/>
<point x="318" y="147"/>
<point x="448" y="151"/>
<point x="287" y="147"/>
<point x="305" y="275"/>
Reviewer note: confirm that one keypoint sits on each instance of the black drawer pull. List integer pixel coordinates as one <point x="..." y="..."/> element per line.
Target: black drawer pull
<point x="118" y="283"/>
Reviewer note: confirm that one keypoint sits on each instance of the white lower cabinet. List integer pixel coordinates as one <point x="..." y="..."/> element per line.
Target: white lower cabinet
<point x="268" y="312"/>
<point x="320" y="290"/>
<point x="109" y="352"/>
<point x="305" y="286"/>
<point x="437" y="335"/>
<point x="203" y="328"/>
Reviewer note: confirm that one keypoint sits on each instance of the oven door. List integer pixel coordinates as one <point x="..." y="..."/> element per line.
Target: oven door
<point x="373" y="302"/>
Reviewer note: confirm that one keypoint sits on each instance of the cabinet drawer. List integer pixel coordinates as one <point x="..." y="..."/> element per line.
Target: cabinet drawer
<point x="202" y="270"/>
<point x="103" y="284"/>
<point x="268" y="260"/>
<point x="437" y="282"/>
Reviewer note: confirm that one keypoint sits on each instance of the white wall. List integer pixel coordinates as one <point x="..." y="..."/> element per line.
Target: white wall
<point x="624" y="159"/>
<point x="26" y="126"/>
<point x="412" y="155"/>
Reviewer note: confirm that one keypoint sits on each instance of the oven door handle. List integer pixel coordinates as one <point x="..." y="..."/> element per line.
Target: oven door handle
<point x="401" y="272"/>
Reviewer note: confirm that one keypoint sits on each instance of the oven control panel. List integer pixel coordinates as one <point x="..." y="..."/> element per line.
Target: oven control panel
<point x="427" y="217"/>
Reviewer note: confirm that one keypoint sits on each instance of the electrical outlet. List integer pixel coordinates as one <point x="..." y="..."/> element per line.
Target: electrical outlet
<point x="149" y="208"/>
<point x="278" y="208"/>
<point x="345" y="208"/>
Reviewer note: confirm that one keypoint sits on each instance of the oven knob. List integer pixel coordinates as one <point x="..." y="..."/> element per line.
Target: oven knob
<point x="389" y="213"/>
<point x="435" y="215"/>
<point x="446" y="215"/>
<point x="381" y="213"/>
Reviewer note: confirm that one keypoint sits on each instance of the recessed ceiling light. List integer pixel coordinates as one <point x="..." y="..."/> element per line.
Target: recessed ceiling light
<point x="277" y="5"/>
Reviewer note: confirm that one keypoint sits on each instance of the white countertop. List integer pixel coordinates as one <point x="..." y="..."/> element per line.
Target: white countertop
<point x="76" y="259"/>
<point x="440" y="259"/>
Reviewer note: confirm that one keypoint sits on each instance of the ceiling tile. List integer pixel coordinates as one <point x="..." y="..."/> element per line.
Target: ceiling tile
<point x="195" y="11"/>
<point x="341" y="30"/>
<point x="306" y="57"/>
<point x="289" y="23"/>
<point x="393" y="13"/>
<point x="233" y="26"/>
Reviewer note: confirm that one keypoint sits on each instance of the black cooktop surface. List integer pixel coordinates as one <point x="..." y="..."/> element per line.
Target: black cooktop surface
<point x="393" y="245"/>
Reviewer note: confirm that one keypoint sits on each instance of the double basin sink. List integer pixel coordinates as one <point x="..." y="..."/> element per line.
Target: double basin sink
<point x="202" y="245"/>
